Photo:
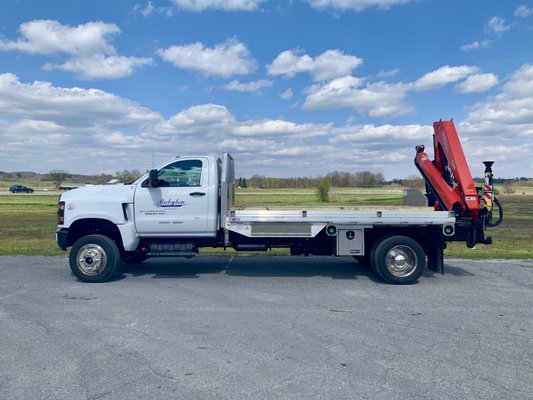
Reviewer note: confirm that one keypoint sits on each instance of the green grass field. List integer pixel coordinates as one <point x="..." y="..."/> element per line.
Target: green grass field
<point x="512" y="239"/>
<point x="28" y="222"/>
<point x="306" y="197"/>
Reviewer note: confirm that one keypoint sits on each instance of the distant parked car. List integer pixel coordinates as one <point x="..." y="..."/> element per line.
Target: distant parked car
<point x="20" y="189"/>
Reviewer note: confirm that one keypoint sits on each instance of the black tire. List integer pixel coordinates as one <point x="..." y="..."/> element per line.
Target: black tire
<point x="371" y="259"/>
<point x="399" y="260"/>
<point x="94" y="258"/>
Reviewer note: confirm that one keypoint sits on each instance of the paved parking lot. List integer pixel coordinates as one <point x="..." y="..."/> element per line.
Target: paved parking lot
<point x="265" y="328"/>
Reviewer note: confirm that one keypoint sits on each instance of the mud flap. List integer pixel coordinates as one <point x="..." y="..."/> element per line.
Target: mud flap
<point x="436" y="256"/>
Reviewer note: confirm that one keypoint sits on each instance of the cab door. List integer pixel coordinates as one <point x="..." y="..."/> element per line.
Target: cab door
<point x="177" y="203"/>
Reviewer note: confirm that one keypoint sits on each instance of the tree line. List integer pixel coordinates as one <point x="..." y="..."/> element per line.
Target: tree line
<point x="363" y="179"/>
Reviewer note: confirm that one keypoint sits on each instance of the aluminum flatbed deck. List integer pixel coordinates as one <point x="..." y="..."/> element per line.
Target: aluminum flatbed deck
<point x="308" y="223"/>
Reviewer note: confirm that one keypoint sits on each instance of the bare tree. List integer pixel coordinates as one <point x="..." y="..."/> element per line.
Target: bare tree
<point x="58" y="176"/>
<point x="367" y="179"/>
<point x="127" y="176"/>
<point x="413" y="182"/>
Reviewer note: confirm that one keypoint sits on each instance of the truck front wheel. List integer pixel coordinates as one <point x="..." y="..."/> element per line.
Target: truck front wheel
<point x="399" y="259"/>
<point x="94" y="258"/>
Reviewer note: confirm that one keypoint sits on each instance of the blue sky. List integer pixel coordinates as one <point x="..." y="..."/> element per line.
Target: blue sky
<point x="290" y="88"/>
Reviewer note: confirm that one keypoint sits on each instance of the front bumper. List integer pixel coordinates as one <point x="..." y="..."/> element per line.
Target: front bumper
<point x="61" y="238"/>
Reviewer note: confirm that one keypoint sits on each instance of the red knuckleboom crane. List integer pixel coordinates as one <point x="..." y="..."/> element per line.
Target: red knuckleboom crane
<point x="450" y="187"/>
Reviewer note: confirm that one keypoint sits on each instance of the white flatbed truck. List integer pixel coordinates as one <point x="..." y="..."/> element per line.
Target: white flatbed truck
<point x="187" y="204"/>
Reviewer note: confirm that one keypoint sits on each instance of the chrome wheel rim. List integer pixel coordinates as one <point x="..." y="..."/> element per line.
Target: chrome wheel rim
<point x="401" y="261"/>
<point x="92" y="259"/>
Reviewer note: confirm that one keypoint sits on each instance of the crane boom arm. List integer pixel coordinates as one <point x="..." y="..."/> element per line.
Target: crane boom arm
<point x="450" y="184"/>
<point x="448" y="176"/>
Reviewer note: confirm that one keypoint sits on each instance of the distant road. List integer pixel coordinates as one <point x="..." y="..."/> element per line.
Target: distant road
<point x="50" y="192"/>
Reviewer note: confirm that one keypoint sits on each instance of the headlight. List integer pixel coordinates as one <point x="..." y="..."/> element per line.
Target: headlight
<point x="61" y="213"/>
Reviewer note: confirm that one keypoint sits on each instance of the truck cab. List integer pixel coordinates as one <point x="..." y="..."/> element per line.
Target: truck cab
<point x="179" y="199"/>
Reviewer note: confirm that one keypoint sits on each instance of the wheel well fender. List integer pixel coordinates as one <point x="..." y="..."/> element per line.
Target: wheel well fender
<point x="91" y="226"/>
<point x="425" y="237"/>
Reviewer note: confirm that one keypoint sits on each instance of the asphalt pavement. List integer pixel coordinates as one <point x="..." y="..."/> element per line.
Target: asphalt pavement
<point x="221" y="327"/>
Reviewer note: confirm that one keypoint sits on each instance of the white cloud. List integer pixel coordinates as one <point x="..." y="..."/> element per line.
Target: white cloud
<point x="196" y="121"/>
<point x="501" y="152"/>
<point x="512" y="159"/>
<point x="520" y="84"/>
<point x="66" y="125"/>
<point x="100" y="66"/>
<point x="443" y="76"/>
<point x="369" y="133"/>
<point x="287" y="94"/>
<point x="245" y="145"/>
<point x="377" y="99"/>
<point x="37" y="125"/>
<point x="354" y="5"/>
<point x="387" y="74"/>
<point x="69" y="106"/>
<point x="498" y="126"/>
<point x="511" y="107"/>
<point x="289" y="63"/>
<point x="475" y="45"/>
<point x="523" y="12"/>
<point x="333" y="64"/>
<point x="333" y="94"/>
<point x="116" y="133"/>
<point x="254" y="86"/>
<point x="202" y="115"/>
<point x="497" y="25"/>
<point x="145" y="11"/>
<point x="150" y="9"/>
<point x="224" y="60"/>
<point x="227" y="5"/>
<point x="477" y="83"/>
<point x="278" y="127"/>
<point x="208" y="126"/>
<point x="386" y="100"/>
<point x="50" y="37"/>
<point x="329" y="65"/>
<point x="89" y="53"/>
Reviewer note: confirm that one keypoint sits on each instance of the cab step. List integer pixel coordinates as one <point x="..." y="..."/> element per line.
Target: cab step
<point x="167" y="248"/>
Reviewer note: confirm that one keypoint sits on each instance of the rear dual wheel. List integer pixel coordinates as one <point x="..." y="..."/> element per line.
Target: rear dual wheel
<point x="398" y="259"/>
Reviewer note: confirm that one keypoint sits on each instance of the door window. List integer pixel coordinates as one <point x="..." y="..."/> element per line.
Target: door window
<point x="186" y="173"/>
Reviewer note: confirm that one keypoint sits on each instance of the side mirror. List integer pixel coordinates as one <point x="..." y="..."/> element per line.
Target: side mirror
<point x="153" y="180"/>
